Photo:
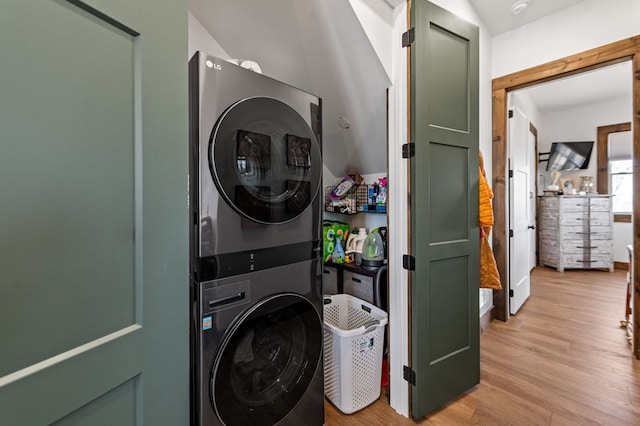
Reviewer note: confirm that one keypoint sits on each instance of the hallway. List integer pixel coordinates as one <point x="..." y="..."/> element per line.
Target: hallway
<point x="562" y="360"/>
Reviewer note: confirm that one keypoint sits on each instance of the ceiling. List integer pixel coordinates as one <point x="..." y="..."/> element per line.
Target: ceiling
<point x="498" y="18"/>
<point x="592" y="87"/>
<point x="601" y="85"/>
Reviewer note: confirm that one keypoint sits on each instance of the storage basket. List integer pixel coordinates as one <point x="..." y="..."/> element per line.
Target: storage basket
<point x="353" y="346"/>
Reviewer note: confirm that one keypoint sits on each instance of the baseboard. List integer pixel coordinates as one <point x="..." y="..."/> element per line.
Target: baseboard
<point x="621" y="265"/>
<point x="485" y="320"/>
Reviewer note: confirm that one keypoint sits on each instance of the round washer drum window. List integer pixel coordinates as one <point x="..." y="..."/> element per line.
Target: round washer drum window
<point x="267" y="361"/>
<point x="265" y="159"/>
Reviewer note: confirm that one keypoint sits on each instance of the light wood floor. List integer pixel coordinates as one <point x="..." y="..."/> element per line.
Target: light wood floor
<point x="562" y="360"/>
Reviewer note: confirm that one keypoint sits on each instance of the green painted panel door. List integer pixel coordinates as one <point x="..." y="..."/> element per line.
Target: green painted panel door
<point x="94" y="230"/>
<point x="445" y="332"/>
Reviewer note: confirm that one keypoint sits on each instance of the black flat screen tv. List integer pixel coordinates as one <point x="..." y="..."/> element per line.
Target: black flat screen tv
<point x="569" y="155"/>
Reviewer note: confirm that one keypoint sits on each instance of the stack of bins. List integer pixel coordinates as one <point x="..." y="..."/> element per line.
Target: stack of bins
<point x="353" y="349"/>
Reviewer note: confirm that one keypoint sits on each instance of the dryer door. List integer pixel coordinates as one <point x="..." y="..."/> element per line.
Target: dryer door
<point x="265" y="160"/>
<point x="266" y="361"/>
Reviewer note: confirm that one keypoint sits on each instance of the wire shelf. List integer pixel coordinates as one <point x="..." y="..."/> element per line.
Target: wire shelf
<point x="356" y="201"/>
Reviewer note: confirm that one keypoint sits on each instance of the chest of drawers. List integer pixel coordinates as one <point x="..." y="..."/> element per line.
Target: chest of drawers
<point x="576" y="232"/>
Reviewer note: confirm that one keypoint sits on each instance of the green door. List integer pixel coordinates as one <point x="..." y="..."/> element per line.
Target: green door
<point x="93" y="202"/>
<point x="445" y="355"/>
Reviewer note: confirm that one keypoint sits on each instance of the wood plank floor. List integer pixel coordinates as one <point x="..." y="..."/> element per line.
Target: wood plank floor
<point x="562" y="360"/>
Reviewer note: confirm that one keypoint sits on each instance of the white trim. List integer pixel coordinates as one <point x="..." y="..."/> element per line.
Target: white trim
<point x="57" y="359"/>
<point x="398" y="224"/>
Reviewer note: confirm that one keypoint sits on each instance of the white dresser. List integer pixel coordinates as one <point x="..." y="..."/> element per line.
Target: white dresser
<point x="576" y="231"/>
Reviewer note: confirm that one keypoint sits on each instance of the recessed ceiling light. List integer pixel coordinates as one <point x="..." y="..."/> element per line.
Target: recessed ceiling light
<point x="519" y="6"/>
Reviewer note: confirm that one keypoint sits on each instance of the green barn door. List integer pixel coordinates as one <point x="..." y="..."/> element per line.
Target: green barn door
<point x="93" y="202"/>
<point x="445" y="356"/>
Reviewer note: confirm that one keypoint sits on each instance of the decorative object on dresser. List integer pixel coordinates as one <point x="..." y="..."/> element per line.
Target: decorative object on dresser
<point x="576" y="232"/>
<point x="568" y="186"/>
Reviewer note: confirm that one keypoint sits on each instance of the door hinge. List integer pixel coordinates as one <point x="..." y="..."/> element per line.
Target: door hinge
<point x="408" y="150"/>
<point x="510" y="233"/>
<point x="408" y="262"/>
<point x="510" y="293"/>
<point x="510" y="173"/>
<point x="510" y="113"/>
<point x="408" y="37"/>
<point x="409" y="375"/>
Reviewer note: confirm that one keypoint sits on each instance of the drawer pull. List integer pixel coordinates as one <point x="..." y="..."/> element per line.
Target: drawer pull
<point x="587" y="247"/>
<point x="357" y="280"/>
<point x="226" y="300"/>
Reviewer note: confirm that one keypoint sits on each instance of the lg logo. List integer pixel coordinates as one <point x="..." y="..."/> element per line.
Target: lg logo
<point x="213" y="65"/>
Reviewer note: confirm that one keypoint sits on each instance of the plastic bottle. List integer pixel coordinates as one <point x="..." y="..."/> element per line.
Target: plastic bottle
<point x="356" y="239"/>
<point x="338" y="253"/>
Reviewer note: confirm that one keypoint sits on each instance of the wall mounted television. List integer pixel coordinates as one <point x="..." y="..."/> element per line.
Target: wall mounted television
<point x="569" y="155"/>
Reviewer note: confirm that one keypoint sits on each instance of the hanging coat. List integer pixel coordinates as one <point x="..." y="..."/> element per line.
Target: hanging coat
<point x="489" y="276"/>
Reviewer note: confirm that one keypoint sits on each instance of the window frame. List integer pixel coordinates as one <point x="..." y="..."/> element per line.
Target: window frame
<point x="603" y="163"/>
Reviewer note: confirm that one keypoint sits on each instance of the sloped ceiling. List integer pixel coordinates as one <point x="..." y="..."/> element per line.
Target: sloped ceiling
<point x="318" y="46"/>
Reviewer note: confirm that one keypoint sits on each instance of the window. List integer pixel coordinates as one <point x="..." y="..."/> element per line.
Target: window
<point x="621" y="175"/>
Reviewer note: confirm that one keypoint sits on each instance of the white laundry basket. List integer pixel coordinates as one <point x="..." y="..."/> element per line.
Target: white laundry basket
<point x="353" y="346"/>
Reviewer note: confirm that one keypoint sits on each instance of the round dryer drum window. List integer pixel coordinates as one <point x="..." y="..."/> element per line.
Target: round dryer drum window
<point x="265" y="160"/>
<point x="267" y="361"/>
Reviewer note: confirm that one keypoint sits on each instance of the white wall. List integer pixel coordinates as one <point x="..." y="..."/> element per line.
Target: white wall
<point x="580" y="124"/>
<point x="376" y="18"/>
<point x="587" y="25"/>
<point x="622" y="237"/>
<point x="621" y="146"/>
<point x="200" y="39"/>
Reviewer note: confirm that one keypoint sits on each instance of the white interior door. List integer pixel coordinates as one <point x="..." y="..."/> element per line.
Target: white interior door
<point x="519" y="209"/>
<point x="531" y="139"/>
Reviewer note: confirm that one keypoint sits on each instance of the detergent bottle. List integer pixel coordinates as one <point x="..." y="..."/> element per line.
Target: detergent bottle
<point x="355" y="240"/>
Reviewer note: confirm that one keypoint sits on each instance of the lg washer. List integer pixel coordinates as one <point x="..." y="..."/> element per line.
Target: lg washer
<point x="259" y="341"/>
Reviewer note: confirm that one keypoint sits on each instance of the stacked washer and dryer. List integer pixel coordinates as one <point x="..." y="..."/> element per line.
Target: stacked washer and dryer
<point x="256" y="276"/>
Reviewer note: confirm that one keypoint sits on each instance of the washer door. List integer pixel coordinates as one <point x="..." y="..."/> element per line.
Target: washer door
<point x="265" y="160"/>
<point x="266" y="361"/>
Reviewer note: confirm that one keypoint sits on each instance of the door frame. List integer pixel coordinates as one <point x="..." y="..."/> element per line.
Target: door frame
<point x="609" y="54"/>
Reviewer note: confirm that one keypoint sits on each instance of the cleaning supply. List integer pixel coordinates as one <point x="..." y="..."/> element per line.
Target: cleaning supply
<point x="331" y="230"/>
<point x="356" y="239"/>
<point x="338" y="253"/>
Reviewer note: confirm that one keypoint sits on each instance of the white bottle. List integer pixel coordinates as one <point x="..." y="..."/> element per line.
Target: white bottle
<point x="355" y="241"/>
